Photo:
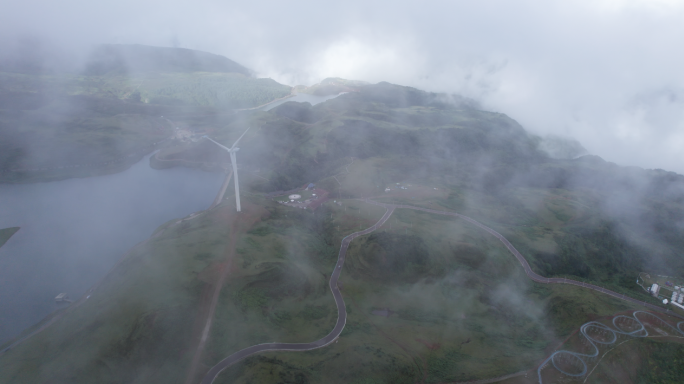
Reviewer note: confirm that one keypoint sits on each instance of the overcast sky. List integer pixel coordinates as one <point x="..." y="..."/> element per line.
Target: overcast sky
<point x="608" y="73"/>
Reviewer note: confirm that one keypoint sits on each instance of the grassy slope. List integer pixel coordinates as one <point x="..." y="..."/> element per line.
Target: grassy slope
<point x="136" y="327"/>
<point x="205" y="89"/>
<point x="642" y="361"/>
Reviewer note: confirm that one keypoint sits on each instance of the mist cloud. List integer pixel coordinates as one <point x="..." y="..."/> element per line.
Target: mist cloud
<point x="607" y="73"/>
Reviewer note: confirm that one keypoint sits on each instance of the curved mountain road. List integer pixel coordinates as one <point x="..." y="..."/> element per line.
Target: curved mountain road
<point x="339" y="301"/>
<point x="528" y="271"/>
<point x="329" y="338"/>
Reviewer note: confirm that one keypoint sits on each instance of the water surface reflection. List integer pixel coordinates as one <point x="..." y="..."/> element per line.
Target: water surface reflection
<point x="73" y="231"/>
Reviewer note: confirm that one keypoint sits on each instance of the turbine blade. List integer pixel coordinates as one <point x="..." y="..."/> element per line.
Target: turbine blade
<point x="219" y="144"/>
<point x="238" y="140"/>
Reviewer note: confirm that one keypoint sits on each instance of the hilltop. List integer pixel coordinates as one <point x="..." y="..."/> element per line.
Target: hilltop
<point x="122" y="59"/>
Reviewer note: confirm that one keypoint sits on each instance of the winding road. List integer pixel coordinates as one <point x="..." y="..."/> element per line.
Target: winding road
<point x="528" y="271"/>
<point x="579" y="360"/>
<point x="341" y="309"/>
<point x="330" y="337"/>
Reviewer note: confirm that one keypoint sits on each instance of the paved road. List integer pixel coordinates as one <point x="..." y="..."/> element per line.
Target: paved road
<point x="531" y="274"/>
<point x="329" y="338"/>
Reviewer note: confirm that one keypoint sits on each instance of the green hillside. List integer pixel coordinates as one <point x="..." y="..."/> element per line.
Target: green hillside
<point x="121" y="58"/>
<point x="430" y="298"/>
<point x="102" y="120"/>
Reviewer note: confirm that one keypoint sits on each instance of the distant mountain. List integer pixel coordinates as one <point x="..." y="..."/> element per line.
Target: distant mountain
<point x="135" y="58"/>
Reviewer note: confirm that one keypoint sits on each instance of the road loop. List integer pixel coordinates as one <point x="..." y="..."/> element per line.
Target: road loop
<point x="593" y="329"/>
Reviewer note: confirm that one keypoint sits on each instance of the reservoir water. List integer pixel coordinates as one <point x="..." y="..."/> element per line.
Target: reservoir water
<point x="73" y="231"/>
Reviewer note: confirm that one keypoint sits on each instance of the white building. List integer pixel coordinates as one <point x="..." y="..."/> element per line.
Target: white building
<point x="654" y="290"/>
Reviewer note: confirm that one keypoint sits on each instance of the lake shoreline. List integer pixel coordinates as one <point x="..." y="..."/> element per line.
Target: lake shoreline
<point x="73" y="231"/>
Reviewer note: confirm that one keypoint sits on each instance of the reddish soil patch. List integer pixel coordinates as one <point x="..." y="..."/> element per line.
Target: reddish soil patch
<point x="322" y="198"/>
<point x="236" y="223"/>
<point x="212" y="273"/>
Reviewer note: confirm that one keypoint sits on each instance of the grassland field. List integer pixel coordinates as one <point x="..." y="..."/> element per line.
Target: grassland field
<point x="657" y="361"/>
<point x="199" y="88"/>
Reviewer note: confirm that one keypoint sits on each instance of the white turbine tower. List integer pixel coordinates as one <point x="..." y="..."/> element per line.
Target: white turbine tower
<point x="233" y="160"/>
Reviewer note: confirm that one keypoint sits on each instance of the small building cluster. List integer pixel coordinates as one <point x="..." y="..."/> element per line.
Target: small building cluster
<point x="678" y="295"/>
<point x="295" y="199"/>
<point x="677" y="298"/>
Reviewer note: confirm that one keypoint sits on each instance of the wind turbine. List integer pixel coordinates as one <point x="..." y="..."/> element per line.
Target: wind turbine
<point x="232" y="150"/>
